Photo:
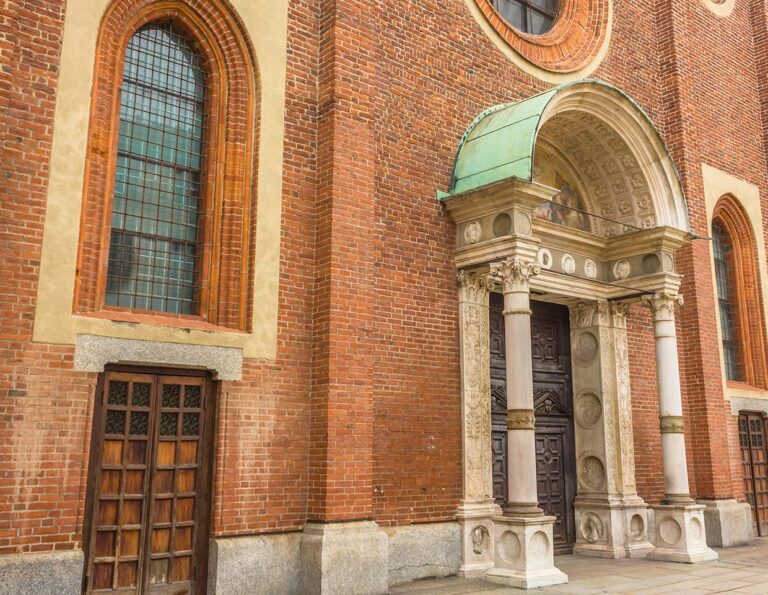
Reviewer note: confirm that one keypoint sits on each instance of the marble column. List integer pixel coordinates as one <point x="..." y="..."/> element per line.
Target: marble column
<point x="523" y="553"/>
<point x="611" y="519"/>
<point x="680" y="533"/>
<point x="477" y="506"/>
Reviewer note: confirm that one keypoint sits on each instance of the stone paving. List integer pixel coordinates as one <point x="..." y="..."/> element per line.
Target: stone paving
<point x="739" y="570"/>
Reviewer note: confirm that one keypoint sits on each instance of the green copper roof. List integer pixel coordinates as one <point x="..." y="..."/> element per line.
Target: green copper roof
<point x="499" y="144"/>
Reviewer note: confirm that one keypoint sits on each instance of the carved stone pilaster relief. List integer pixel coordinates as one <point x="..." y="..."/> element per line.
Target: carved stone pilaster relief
<point x="475" y="384"/>
<point x="624" y="405"/>
<point x="514" y="274"/>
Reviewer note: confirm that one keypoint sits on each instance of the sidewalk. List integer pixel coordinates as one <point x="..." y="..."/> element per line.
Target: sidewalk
<point x="739" y="570"/>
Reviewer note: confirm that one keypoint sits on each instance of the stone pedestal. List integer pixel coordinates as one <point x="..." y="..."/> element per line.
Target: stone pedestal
<point x="728" y="523"/>
<point x="477" y="545"/>
<point x="612" y="528"/>
<point x="680" y="535"/>
<point x="523" y="554"/>
<point x="350" y="558"/>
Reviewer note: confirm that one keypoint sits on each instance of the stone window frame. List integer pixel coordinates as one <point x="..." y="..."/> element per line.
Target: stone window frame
<point x="229" y="196"/>
<point x="748" y="301"/>
<point x="575" y="40"/>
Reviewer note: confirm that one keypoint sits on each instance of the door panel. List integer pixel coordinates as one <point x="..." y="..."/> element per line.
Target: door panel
<point x="148" y="512"/>
<point x="553" y="401"/>
<point x="752" y="439"/>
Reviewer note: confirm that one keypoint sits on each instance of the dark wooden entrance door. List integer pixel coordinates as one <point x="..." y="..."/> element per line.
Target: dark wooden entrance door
<point x="553" y="401"/>
<point x="752" y="439"/>
<point x="148" y="505"/>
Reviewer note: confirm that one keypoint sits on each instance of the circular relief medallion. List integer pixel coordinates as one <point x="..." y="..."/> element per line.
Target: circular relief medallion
<point x="480" y="540"/>
<point x="472" y="232"/>
<point x="538" y="547"/>
<point x="696" y="532"/>
<point x="569" y="264"/>
<point x="592" y="528"/>
<point x="560" y="36"/>
<point x="502" y="225"/>
<point x="621" y="269"/>
<point x="509" y="547"/>
<point x="544" y="258"/>
<point x="636" y="528"/>
<point x="585" y="349"/>
<point x="670" y="531"/>
<point x="522" y="223"/>
<point x="590" y="269"/>
<point x="588" y="410"/>
<point x="592" y="474"/>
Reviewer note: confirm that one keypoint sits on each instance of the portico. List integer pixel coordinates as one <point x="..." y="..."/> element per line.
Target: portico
<point x="571" y="198"/>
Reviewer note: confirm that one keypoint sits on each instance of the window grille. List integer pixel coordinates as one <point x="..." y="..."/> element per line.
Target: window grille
<point x="722" y="247"/>
<point x="530" y="16"/>
<point x="154" y="245"/>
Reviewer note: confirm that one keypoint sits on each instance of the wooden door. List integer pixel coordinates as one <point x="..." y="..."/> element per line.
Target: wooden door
<point x="752" y="439"/>
<point x="148" y="505"/>
<point x="553" y="401"/>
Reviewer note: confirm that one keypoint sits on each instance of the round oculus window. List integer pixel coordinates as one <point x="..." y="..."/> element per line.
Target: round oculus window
<point x="535" y="17"/>
<point x="559" y="36"/>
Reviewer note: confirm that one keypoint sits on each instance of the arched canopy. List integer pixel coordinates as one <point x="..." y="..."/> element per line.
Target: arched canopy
<point x="597" y="134"/>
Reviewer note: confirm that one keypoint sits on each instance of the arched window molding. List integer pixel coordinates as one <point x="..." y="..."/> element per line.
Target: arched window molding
<point x="227" y="242"/>
<point x="744" y="289"/>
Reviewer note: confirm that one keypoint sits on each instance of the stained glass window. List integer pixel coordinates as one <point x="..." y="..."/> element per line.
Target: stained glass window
<point x="154" y="244"/>
<point x="529" y="16"/>
<point x="722" y="247"/>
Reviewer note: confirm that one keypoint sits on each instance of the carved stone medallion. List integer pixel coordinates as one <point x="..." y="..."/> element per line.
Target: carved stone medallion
<point x="621" y="269"/>
<point x="592" y="528"/>
<point x="585" y="349"/>
<point x="544" y="258"/>
<point x="590" y="269"/>
<point x="480" y="540"/>
<point x="588" y="410"/>
<point x="591" y="473"/>
<point x="472" y="232"/>
<point x="569" y="264"/>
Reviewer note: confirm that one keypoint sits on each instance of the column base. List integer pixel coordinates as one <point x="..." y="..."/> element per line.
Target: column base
<point x="476" y="521"/>
<point x="728" y="523"/>
<point x="612" y="528"/>
<point x="680" y="534"/>
<point x="523" y="554"/>
<point x="351" y="557"/>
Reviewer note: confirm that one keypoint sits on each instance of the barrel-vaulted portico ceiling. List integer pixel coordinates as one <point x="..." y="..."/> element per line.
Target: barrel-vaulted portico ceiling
<point x="582" y="169"/>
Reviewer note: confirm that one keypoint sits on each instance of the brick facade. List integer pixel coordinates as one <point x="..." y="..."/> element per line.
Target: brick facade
<point x="359" y="415"/>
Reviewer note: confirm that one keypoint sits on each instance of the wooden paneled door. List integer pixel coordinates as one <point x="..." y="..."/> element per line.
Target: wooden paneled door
<point x="148" y="504"/>
<point x="553" y="401"/>
<point x="752" y="439"/>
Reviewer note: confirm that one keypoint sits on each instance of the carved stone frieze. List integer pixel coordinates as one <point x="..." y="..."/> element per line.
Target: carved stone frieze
<point x="521" y="419"/>
<point x="671" y="424"/>
<point x="624" y="409"/>
<point x="514" y="274"/>
<point x="662" y="305"/>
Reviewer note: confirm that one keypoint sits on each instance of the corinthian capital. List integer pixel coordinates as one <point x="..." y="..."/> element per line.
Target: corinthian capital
<point x="663" y="304"/>
<point x="474" y="287"/>
<point x="514" y="274"/>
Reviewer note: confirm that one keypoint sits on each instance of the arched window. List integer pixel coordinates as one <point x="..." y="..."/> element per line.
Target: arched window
<point x="722" y="248"/>
<point x="167" y="233"/>
<point x="154" y="249"/>
<point x="529" y="16"/>
<point x="742" y="328"/>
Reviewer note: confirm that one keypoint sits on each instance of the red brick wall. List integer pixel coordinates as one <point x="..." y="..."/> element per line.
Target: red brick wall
<point x="359" y="416"/>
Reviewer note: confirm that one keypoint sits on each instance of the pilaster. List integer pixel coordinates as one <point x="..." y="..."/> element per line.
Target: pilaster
<point x="611" y="519"/>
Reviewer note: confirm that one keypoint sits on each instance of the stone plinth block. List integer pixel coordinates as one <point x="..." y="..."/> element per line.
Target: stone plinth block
<point x="680" y="534"/>
<point x="350" y="558"/>
<point x="523" y="554"/>
<point x="728" y="523"/>
<point x="50" y="573"/>
<point x="608" y="529"/>
<point x="476" y="522"/>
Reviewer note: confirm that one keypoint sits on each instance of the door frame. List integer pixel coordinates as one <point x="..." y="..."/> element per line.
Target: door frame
<point x="207" y="472"/>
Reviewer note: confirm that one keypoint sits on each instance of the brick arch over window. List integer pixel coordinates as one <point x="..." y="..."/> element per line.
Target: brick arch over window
<point x="230" y="151"/>
<point x="744" y="282"/>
